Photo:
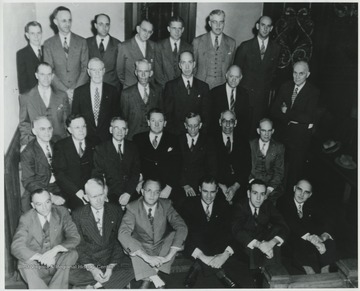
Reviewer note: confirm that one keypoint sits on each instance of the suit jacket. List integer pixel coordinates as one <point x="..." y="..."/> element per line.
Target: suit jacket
<point x="32" y="106"/>
<point x="28" y="238"/>
<point x="177" y="103"/>
<point x="128" y="53"/>
<point x="109" y="59"/>
<point x="71" y="171"/>
<point x="109" y="107"/>
<point x="94" y="248"/>
<point x="274" y="163"/>
<point x="202" y="53"/>
<point x="219" y="103"/>
<point x="121" y="175"/>
<point x="69" y="72"/>
<point x="198" y="162"/>
<point x="166" y="67"/>
<point x="163" y="162"/>
<point x="26" y="64"/>
<point x="136" y="231"/>
<point x="134" y="110"/>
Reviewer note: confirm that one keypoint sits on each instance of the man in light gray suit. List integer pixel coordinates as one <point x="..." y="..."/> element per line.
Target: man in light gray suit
<point x="214" y="51"/>
<point x="67" y="53"/>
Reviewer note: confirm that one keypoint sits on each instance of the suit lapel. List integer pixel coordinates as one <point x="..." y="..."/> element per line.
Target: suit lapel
<point x="136" y="50"/>
<point x="109" y="49"/>
<point x="74" y="47"/>
<point x="103" y="105"/>
<point x="89" y="223"/>
<point x="54" y="226"/>
<point x="38" y="103"/>
<point x="108" y="223"/>
<point x="60" y="48"/>
<point x="41" y="155"/>
<point x="36" y="228"/>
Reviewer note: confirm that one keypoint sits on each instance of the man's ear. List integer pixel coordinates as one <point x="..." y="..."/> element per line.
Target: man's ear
<point x="138" y="29"/>
<point x="33" y="131"/>
<point x="258" y="130"/>
<point x="248" y="193"/>
<point x="86" y="198"/>
<point x="33" y="205"/>
<point x="168" y="28"/>
<point x="271" y="28"/>
<point x="142" y="191"/>
<point x="55" y="21"/>
<point x="307" y="75"/>
<point x="151" y="73"/>
<point x="235" y="123"/>
<point x="200" y="125"/>
<point x="273" y="130"/>
<point x="257" y="26"/>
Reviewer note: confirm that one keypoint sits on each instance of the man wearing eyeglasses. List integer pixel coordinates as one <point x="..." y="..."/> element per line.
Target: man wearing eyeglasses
<point x="233" y="158"/>
<point x="97" y="102"/>
<point x="214" y="51"/>
<point x="134" y="49"/>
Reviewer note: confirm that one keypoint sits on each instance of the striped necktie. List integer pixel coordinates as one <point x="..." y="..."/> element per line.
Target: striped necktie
<point x="294" y="95"/>
<point x="216" y="42"/>
<point x="66" y="47"/>
<point x="300" y="212"/>
<point x="96" y="105"/>
<point x="208" y="214"/>
<point x="232" y="100"/>
<point x="262" y="50"/>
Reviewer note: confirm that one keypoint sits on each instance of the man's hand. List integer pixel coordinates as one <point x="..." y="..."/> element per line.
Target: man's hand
<point x="107" y="274"/>
<point x="219" y="260"/>
<point x="230" y="192"/>
<point x="81" y="195"/>
<point x="325" y="236"/>
<point x="154" y="261"/>
<point x="70" y="94"/>
<point x="56" y="199"/>
<point x="223" y="188"/>
<point x="270" y="254"/>
<point x="266" y="246"/>
<point x="48" y="258"/>
<point x="22" y="147"/>
<point x="140" y="183"/>
<point x="268" y="191"/>
<point x="165" y="193"/>
<point x="124" y="199"/>
<point x="98" y="275"/>
<point x="283" y="108"/>
<point x="189" y="191"/>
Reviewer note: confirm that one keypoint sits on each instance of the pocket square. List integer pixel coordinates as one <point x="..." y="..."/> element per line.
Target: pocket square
<point x="170" y="149"/>
<point x="60" y="107"/>
<point x="199" y="96"/>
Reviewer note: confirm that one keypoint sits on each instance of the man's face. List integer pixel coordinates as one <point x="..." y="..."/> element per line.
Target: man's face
<point x="176" y="29"/>
<point x="119" y="130"/>
<point x="42" y="203"/>
<point x="63" y="21"/>
<point x="44" y="75"/>
<point x="102" y="26"/>
<point x="96" y="72"/>
<point x="34" y="35"/>
<point x="302" y="191"/>
<point x="265" y="131"/>
<point x="257" y="195"/>
<point x="233" y="77"/>
<point x="217" y="24"/>
<point x="43" y="130"/>
<point x="300" y="73"/>
<point x="264" y="27"/>
<point x="96" y="196"/>
<point x="187" y="64"/>
<point x="157" y="122"/>
<point x="143" y="73"/>
<point x="228" y="123"/>
<point x="77" y="129"/>
<point x="208" y="192"/>
<point x="151" y="193"/>
<point x="193" y="125"/>
<point x="144" y="30"/>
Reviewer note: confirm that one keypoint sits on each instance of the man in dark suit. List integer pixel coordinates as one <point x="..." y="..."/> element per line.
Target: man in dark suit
<point x="233" y="158"/>
<point x="43" y="101"/>
<point x="28" y="58"/>
<point x="117" y="160"/>
<point x="214" y="51"/>
<point x="310" y="244"/>
<point x="97" y="102"/>
<point x="101" y="256"/>
<point x="294" y="113"/>
<point x="159" y="154"/>
<point x="258" y="59"/>
<point x="267" y="160"/>
<point x="185" y="94"/>
<point x="231" y="96"/>
<point x="105" y="47"/>
<point x="73" y="161"/>
<point x="210" y="241"/>
<point x="67" y="53"/>
<point x="44" y="244"/>
<point x="146" y="236"/>
<point x="134" y="49"/>
<point x="167" y="52"/>
<point x="138" y="99"/>
<point x="36" y="164"/>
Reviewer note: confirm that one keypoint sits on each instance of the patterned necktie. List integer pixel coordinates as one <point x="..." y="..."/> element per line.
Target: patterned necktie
<point x="146" y="96"/>
<point x="262" y="50"/>
<point x="175" y="51"/>
<point x="66" y="47"/>
<point x="232" y="100"/>
<point x="300" y="213"/>
<point x="293" y="96"/>
<point x="81" y="151"/>
<point x="48" y="154"/>
<point x="228" y="145"/>
<point x="192" y="145"/>
<point x="155" y="142"/>
<point x="39" y="54"/>
<point x="119" y="151"/>
<point x="46" y="226"/>
<point x="208" y="214"/>
<point x="98" y="222"/>
<point x="216" y="42"/>
<point x="151" y="218"/>
<point x="96" y="105"/>
<point x="188" y="87"/>
<point x="263" y="150"/>
<point x="102" y="48"/>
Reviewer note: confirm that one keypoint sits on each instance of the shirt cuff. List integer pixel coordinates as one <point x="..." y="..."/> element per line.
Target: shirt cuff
<point x="270" y="188"/>
<point x="176" y="248"/>
<point x="229" y="250"/>
<point x="329" y="236"/>
<point x="305" y="236"/>
<point x="281" y="241"/>
<point x="251" y="245"/>
<point x="195" y="254"/>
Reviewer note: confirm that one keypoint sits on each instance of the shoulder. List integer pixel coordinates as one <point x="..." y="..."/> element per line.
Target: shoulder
<point x="112" y="209"/>
<point x="28" y="216"/>
<point x="247" y="43"/>
<point x="60" y="210"/>
<point x="311" y="87"/>
<point x="229" y="39"/>
<point x="219" y="88"/>
<point x="202" y="37"/>
<point x="77" y="37"/>
<point x="140" y="136"/>
<point x="130" y="89"/>
<point x="201" y="84"/>
<point x="63" y="142"/>
<point x="104" y="145"/>
<point x="25" y="50"/>
<point x="254" y="142"/>
<point x="114" y="40"/>
<point x="29" y="149"/>
<point x="127" y="43"/>
<point x="133" y="205"/>
<point x="27" y="97"/>
<point x="109" y="87"/>
<point x="51" y="40"/>
<point x="85" y="87"/>
<point x="91" y="39"/>
<point x="165" y="203"/>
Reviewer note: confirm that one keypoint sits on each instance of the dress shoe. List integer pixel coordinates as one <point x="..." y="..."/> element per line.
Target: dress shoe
<point x="191" y="277"/>
<point x="145" y="284"/>
<point x="228" y="283"/>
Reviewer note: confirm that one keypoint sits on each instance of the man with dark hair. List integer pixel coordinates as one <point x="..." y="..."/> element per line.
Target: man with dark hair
<point x="210" y="241"/>
<point x="134" y="49"/>
<point x="67" y="53"/>
<point x="28" y="58"/>
<point x="43" y="101"/>
<point x="167" y="52"/>
<point x="105" y="47"/>
<point x="117" y="160"/>
<point x="214" y="51"/>
<point x="73" y="161"/>
<point x="44" y="244"/>
<point x="151" y="232"/>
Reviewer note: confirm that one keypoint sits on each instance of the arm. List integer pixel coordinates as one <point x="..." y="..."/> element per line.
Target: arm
<point x="24" y="122"/>
<point x="84" y="58"/>
<point x="240" y="56"/>
<point x="121" y="63"/>
<point x="159" y="72"/>
<point x="21" y="73"/>
<point x="134" y="171"/>
<point x="99" y="168"/>
<point x="278" y="168"/>
<point x="124" y="105"/>
<point x="179" y="226"/>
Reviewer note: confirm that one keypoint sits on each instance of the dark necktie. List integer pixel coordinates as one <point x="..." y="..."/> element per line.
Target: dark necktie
<point x="294" y="95"/>
<point x="188" y="87"/>
<point x="192" y="145"/>
<point x="66" y="47"/>
<point x="146" y="96"/>
<point x="216" y="42"/>
<point x="96" y="105"/>
<point x="155" y="142"/>
<point x="256" y="216"/>
<point x="175" y="51"/>
<point x="119" y="151"/>
<point x="46" y="226"/>
<point x="208" y="214"/>
<point x="102" y="48"/>
<point x="228" y="145"/>
<point x="232" y="100"/>
<point x="81" y="151"/>
<point x="39" y="54"/>
<point x="151" y="218"/>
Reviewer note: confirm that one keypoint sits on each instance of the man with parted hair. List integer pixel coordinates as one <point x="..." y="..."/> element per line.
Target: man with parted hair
<point x="214" y="51"/>
<point x="28" y="58"/>
<point x="138" y="99"/>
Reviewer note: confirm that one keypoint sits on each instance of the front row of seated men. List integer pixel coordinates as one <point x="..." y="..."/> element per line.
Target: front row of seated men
<point x="54" y="249"/>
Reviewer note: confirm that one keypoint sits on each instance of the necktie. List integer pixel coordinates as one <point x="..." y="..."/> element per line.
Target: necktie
<point x="102" y="48"/>
<point x="155" y="142"/>
<point x="46" y="226"/>
<point x="66" y="47"/>
<point x="39" y="54"/>
<point x="208" y="214"/>
<point x="300" y="213"/>
<point x="81" y="151"/>
<point x="188" y="87"/>
<point x="293" y="96"/>
<point x="48" y="154"/>
<point x="262" y="50"/>
<point x="98" y="222"/>
<point x="175" y="51"/>
<point x="232" y="100"/>
<point x="119" y="151"/>
<point x="228" y="145"/>
<point x="256" y="216"/>
<point x="96" y="105"/>
<point x="192" y="144"/>
<point x="263" y="150"/>
<point x="146" y="96"/>
<point x="216" y="42"/>
<point x="151" y="218"/>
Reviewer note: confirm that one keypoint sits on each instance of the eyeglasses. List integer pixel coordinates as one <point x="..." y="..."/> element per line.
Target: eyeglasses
<point x="228" y="122"/>
<point x="97" y="70"/>
<point x="146" y="31"/>
<point x="193" y="126"/>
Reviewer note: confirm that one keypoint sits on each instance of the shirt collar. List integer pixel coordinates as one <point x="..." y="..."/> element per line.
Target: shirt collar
<point x="297" y="204"/>
<point x="68" y="38"/>
<point x="213" y="36"/>
<point x="152" y="207"/>
<point x="225" y="136"/>
<point x="116" y="144"/>
<point x="141" y="87"/>
<point x="204" y="205"/>
<point x="77" y="143"/>
<point x="43" y="144"/>
<point x="43" y="218"/>
<point x="93" y="86"/>
<point x="172" y="43"/>
<point x="101" y="211"/>
<point x="35" y="48"/>
<point x="266" y="41"/>
<point x="253" y="208"/>
<point x="185" y="80"/>
<point x="189" y="138"/>
<point x="105" y="40"/>
<point x="299" y="87"/>
<point x="152" y="136"/>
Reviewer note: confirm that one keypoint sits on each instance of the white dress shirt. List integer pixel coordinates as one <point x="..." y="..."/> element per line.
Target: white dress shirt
<point x="105" y="41"/>
<point x="116" y="145"/>
<point x="77" y="145"/>
<point x="228" y="94"/>
<point x="266" y="42"/>
<point x="191" y="79"/>
<point x="141" y="89"/>
<point x="45" y="94"/>
<point x="261" y="144"/>
<point x="189" y="139"/>
<point x="213" y="36"/>
<point x="43" y="219"/>
<point x="152" y="137"/>
<point x="68" y="38"/>
<point x="172" y="43"/>
<point x="225" y="139"/>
